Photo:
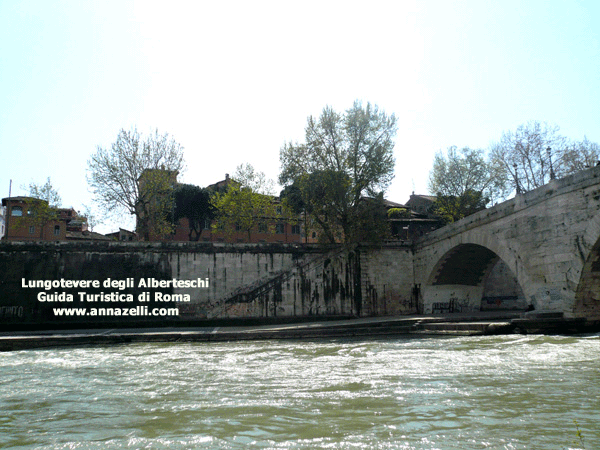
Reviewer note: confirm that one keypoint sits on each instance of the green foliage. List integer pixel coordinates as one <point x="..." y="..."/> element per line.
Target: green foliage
<point x="464" y="183"/>
<point x="193" y="203"/>
<point x="398" y="213"/>
<point x="239" y="208"/>
<point x="452" y="208"/>
<point x="324" y="195"/>
<point x="370" y="222"/>
<point x="155" y="207"/>
<point x="458" y="172"/>
<point x="245" y="203"/>
<point x="579" y="435"/>
<point x="292" y="195"/>
<point x="345" y="158"/>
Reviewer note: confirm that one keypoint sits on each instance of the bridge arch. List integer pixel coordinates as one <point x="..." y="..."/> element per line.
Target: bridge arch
<point x="587" y="291"/>
<point x="475" y="272"/>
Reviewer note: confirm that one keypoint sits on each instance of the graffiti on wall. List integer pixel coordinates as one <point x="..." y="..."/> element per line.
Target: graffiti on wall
<point x="11" y="312"/>
<point x="454" y="305"/>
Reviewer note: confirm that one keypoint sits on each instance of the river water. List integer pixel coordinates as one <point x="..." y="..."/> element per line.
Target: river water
<point x="500" y="392"/>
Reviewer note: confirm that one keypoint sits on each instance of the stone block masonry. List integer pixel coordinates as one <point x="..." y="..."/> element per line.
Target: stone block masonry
<point x="119" y="284"/>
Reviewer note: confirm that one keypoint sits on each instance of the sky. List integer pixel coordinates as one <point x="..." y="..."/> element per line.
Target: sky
<point x="233" y="81"/>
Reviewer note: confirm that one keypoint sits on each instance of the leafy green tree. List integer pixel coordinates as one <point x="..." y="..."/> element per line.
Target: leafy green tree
<point x="136" y="175"/>
<point x="193" y="203"/>
<point x="456" y="172"/>
<point x="157" y="204"/>
<point x="324" y="195"/>
<point x="452" y="208"/>
<point x="398" y="213"/>
<point x="245" y="203"/>
<point x="345" y="158"/>
<point x="371" y="224"/>
<point x="464" y="182"/>
<point x="293" y="201"/>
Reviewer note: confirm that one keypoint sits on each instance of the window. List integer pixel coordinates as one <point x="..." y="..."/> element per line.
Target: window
<point x="280" y="228"/>
<point x="206" y="224"/>
<point x="16" y="211"/>
<point x="31" y="229"/>
<point x="278" y="209"/>
<point x="295" y="229"/>
<point x="56" y="230"/>
<point x="238" y="227"/>
<point x="262" y="227"/>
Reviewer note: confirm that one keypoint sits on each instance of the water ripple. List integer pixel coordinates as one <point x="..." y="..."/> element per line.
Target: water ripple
<point x="501" y="392"/>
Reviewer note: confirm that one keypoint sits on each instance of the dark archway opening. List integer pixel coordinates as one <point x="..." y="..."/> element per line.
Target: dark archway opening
<point x="472" y="265"/>
<point x="587" y="294"/>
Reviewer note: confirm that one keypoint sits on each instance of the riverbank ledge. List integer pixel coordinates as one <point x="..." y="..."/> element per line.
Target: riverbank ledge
<point x="379" y="327"/>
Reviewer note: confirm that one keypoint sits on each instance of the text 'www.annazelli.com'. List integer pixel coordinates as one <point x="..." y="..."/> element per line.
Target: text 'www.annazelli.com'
<point x="120" y="312"/>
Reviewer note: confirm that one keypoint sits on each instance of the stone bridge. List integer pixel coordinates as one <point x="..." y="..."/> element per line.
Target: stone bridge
<point x="538" y="251"/>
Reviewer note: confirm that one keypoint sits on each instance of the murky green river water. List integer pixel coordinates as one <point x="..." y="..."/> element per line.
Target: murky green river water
<point x="505" y="392"/>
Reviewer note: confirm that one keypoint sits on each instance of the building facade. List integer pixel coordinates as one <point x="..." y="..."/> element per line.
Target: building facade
<point x="32" y="219"/>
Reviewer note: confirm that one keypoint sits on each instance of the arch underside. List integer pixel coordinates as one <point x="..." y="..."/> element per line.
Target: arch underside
<point x="587" y="294"/>
<point x="472" y="278"/>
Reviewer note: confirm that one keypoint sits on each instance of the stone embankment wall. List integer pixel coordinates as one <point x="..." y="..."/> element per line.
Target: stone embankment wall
<point x="228" y="281"/>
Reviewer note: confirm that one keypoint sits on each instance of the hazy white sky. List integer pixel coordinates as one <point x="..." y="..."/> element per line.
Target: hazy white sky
<point x="232" y="81"/>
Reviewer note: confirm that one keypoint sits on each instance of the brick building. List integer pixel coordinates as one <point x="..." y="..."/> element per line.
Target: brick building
<point x="32" y="219"/>
<point x="275" y="229"/>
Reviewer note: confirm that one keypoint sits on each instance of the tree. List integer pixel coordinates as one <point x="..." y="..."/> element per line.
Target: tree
<point x="345" y="158"/>
<point x="247" y="176"/>
<point x="323" y="196"/>
<point x="193" y="203"/>
<point x="451" y="208"/>
<point x="115" y="175"/>
<point x="525" y="155"/>
<point x="577" y="156"/>
<point x="90" y="217"/>
<point x="244" y="205"/>
<point x="45" y="192"/>
<point x="464" y="182"/>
